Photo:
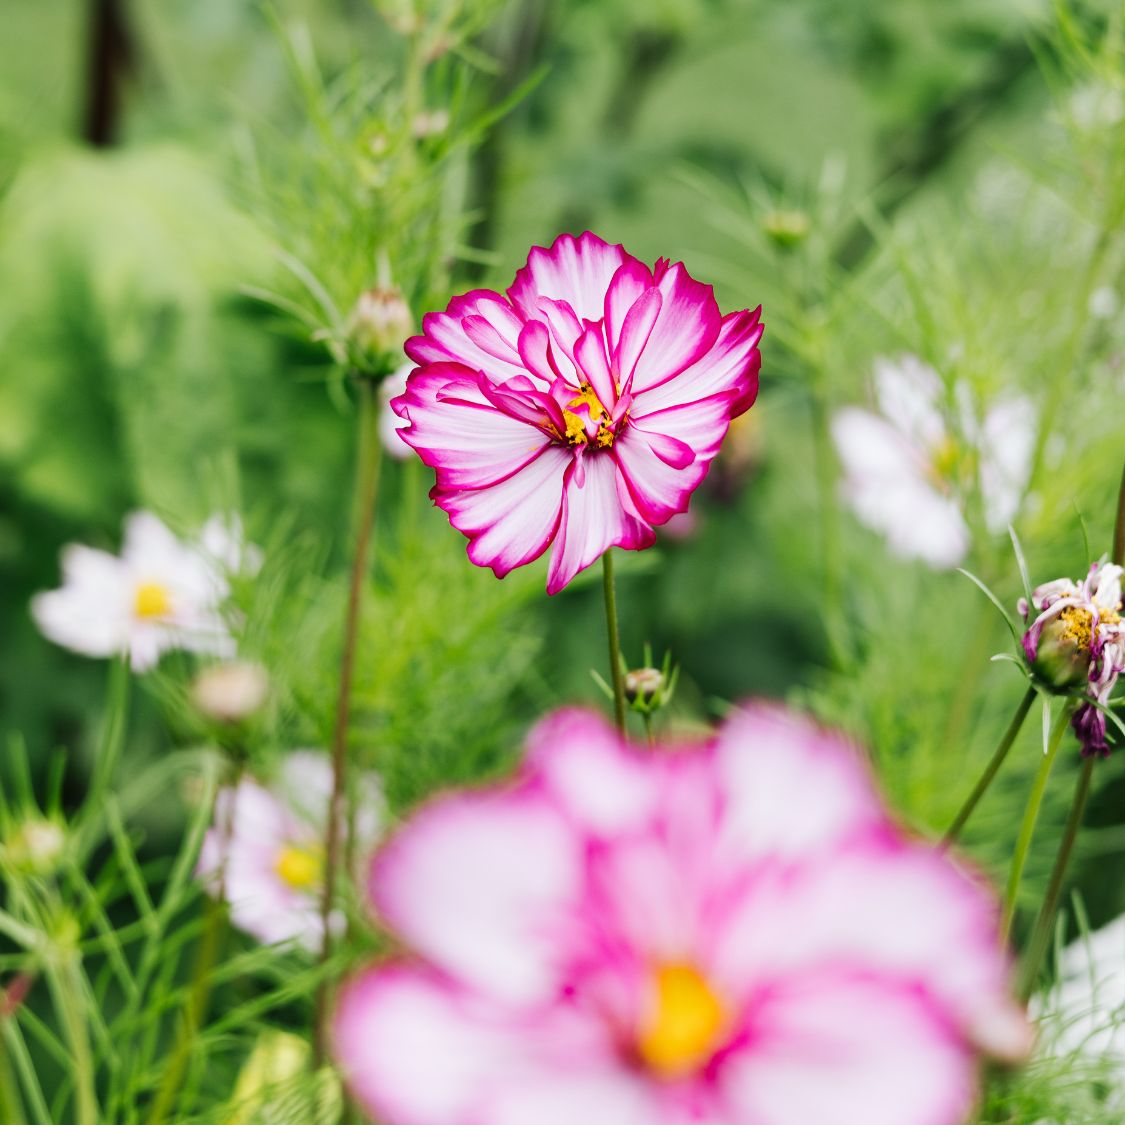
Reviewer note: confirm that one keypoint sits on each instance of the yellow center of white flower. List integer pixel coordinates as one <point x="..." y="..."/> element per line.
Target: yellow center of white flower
<point x="576" y="425"/>
<point x="151" y="600"/>
<point x="301" y="868"/>
<point x="684" y="1022"/>
<point x="1077" y="626"/>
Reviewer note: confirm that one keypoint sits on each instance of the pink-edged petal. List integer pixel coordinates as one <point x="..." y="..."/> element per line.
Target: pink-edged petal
<point x="792" y="788"/>
<point x="575" y="270"/>
<point x="606" y="1095"/>
<point x="685" y="330"/>
<point x="445" y="338"/>
<point x="564" y="325"/>
<point x="731" y="365"/>
<point x="413" y="1049"/>
<point x="630" y="281"/>
<point x="536" y="353"/>
<point x="700" y="425"/>
<point x="482" y="333"/>
<point x="840" y="1050"/>
<point x="593" y="364"/>
<point x="512" y="522"/>
<point x="636" y="331"/>
<point x="593" y="520"/>
<point x="479" y="884"/>
<point x="457" y="431"/>
<point x="606" y="785"/>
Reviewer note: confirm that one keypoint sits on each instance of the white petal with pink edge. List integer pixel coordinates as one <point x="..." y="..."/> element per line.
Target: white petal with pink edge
<point x="592" y="521"/>
<point x="848" y="1051"/>
<point x="659" y="490"/>
<point x="512" y="522"/>
<point x="575" y="270"/>
<point x="479" y="884"/>
<point x="446" y="338"/>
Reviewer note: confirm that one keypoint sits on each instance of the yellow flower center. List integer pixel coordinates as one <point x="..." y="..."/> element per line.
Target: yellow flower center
<point x="1077" y="626"/>
<point x="576" y="425"/>
<point x="151" y="600"/>
<point x="684" y="1023"/>
<point x="587" y="398"/>
<point x="301" y="868"/>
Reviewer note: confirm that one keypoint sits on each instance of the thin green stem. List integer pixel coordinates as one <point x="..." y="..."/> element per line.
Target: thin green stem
<point x="1045" y="923"/>
<point x="112" y="739"/>
<point x="1118" y="555"/>
<point x="650" y="736"/>
<point x="67" y="993"/>
<point x="990" y="771"/>
<point x="11" y="1106"/>
<point x="367" y="485"/>
<point x="618" y="677"/>
<point x="1030" y="816"/>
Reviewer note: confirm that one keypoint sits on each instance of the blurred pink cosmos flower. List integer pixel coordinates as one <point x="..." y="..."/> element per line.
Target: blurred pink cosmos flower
<point x="579" y="410"/>
<point x="722" y="934"/>
<point x="273" y="871"/>
<point x="1078" y="636"/>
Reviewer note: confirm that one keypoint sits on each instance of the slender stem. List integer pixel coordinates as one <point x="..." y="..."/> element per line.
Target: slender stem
<point x="1030" y="816"/>
<point x="990" y="771"/>
<point x="618" y="678"/>
<point x="367" y="483"/>
<point x="11" y="1106"/>
<point x="206" y="958"/>
<point x="650" y="736"/>
<point x="1045" y="923"/>
<point x="67" y="992"/>
<point x="1119" y="526"/>
<point x="112" y="739"/>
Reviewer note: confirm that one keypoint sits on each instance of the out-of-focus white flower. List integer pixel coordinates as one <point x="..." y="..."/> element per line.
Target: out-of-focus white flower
<point x="230" y="692"/>
<point x="1096" y="106"/>
<point x="1084" y="1014"/>
<point x="223" y="538"/>
<point x="159" y="594"/>
<point x="35" y="846"/>
<point x="907" y="474"/>
<point x="1104" y="302"/>
<point x="274" y="854"/>
<point x="389" y="422"/>
<point x="430" y="123"/>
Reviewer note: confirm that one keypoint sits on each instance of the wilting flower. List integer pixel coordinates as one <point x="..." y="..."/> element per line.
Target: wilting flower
<point x="265" y="847"/>
<point x="907" y="475"/>
<point x="727" y="933"/>
<point x="1078" y="636"/>
<point x="581" y="409"/>
<point x="159" y="594"/>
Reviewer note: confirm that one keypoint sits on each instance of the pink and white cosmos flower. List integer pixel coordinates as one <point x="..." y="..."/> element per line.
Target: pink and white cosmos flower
<point x="721" y="934"/>
<point x="581" y="409"/>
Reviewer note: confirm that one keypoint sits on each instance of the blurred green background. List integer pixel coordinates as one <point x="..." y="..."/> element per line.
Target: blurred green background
<point x="958" y="203"/>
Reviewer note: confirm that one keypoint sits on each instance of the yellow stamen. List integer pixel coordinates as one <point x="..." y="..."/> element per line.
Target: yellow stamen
<point x="575" y="429"/>
<point x="1077" y="626"/>
<point x="587" y="398"/>
<point x="684" y="1024"/>
<point x="301" y="868"/>
<point x="151" y="600"/>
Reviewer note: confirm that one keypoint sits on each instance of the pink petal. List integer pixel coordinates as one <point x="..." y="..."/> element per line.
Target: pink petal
<point x="564" y="325"/>
<point x="445" y="338"/>
<point x="607" y="1095"/>
<point x="593" y="520"/>
<point x="657" y="488"/>
<point x="575" y="270"/>
<point x="535" y="351"/>
<point x="792" y="788"/>
<point x="840" y="1050"/>
<point x="593" y="363"/>
<point x="630" y="281"/>
<point x="511" y="522"/>
<point x="636" y="331"/>
<point x="479" y="884"/>
<point x="730" y="365"/>
<point x="458" y="432"/>
<point x="686" y="329"/>
<point x="598" y="779"/>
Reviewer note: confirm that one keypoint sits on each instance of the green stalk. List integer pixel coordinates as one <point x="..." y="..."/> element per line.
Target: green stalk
<point x="1118" y="555"/>
<point x="1030" y="816"/>
<point x="367" y="484"/>
<point x="990" y="771"/>
<point x="1045" y="923"/>
<point x="112" y="739"/>
<point x="11" y="1109"/>
<point x="618" y="678"/>
<point x="66" y="989"/>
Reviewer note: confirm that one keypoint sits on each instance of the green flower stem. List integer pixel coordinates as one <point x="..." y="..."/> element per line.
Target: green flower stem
<point x="1118" y="555"/>
<point x="367" y="486"/>
<point x="112" y="739"/>
<point x="1030" y="816"/>
<point x="990" y="771"/>
<point x="618" y="678"/>
<point x="11" y="1106"/>
<point x="1045" y="923"/>
<point x="66" y="990"/>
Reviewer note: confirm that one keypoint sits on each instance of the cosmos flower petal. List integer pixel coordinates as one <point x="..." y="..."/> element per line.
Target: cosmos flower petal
<point x="589" y="353"/>
<point x="575" y="270"/>
<point x="455" y="860"/>
<point x="657" y="488"/>
<point x="1006" y="447"/>
<point x="592" y="521"/>
<point x="512" y="522"/>
<point x="731" y="365"/>
<point x="636" y="331"/>
<point x="849" y="1051"/>
<point x="685" y="330"/>
<point x="445" y="338"/>
<point x="89" y="613"/>
<point x="908" y="392"/>
<point x="631" y="280"/>
<point x="459" y="432"/>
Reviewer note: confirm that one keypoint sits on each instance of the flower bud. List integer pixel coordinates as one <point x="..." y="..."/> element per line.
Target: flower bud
<point x="1061" y="659"/>
<point x="232" y="692"/>
<point x="377" y="327"/>
<point x="35" y="847"/>
<point x="272" y="1085"/>
<point x="643" y="684"/>
<point x="786" y="228"/>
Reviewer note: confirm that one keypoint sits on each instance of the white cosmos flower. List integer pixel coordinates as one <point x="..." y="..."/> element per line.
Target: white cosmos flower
<point x="274" y="872"/>
<point x="224" y="539"/>
<point x="907" y="473"/>
<point x="158" y="594"/>
<point x="389" y="422"/>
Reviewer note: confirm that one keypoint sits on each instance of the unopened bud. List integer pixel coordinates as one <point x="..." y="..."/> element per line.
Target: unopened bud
<point x="786" y="228"/>
<point x="643" y="684"/>
<point x="230" y="693"/>
<point x="379" y="324"/>
<point x="36" y="846"/>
